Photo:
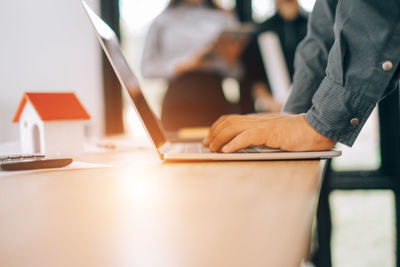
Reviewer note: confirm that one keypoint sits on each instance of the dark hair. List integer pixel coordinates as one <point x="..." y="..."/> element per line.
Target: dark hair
<point x="207" y="3"/>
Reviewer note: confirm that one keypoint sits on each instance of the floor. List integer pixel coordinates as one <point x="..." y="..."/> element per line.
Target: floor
<point x="363" y="221"/>
<point x="363" y="228"/>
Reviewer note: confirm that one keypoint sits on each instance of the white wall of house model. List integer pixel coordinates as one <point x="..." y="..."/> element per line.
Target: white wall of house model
<point x="49" y="136"/>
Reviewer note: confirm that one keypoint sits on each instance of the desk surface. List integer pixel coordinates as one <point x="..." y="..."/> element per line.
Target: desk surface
<point x="147" y="213"/>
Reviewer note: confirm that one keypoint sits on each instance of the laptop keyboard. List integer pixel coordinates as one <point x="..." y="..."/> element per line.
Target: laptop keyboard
<point x="258" y="149"/>
<point x="198" y="148"/>
<point x="195" y="148"/>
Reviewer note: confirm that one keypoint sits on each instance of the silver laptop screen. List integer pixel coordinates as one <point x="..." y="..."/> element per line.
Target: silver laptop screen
<point x="111" y="47"/>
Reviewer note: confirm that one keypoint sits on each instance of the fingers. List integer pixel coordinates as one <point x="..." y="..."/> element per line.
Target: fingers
<point x="209" y="138"/>
<point x="254" y="136"/>
<point x="255" y="130"/>
<point x="217" y="123"/>
<point x="222" y="124"/>
<point x="235" y="120"/>
<point x="230" y="125"/>
<point x="226" y="135"/>
<point x="236" y="124"/>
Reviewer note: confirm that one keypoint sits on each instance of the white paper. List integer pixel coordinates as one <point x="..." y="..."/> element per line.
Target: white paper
<point x="275" y="65"/>
<point x="75" y="165"/>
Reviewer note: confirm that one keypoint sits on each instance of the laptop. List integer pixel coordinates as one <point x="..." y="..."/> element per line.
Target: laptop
<point x="177" y="151"/>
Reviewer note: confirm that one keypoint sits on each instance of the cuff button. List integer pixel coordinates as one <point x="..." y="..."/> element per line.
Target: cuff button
<point x="354" y="122"/>
<point x="387" y="66"/>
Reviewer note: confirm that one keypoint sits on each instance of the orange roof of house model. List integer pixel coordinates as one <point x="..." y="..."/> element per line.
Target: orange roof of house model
<point x="53" y="106"/>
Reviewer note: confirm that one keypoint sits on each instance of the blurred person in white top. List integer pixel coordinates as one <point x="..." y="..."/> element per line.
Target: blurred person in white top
<point x="182" y="46"/>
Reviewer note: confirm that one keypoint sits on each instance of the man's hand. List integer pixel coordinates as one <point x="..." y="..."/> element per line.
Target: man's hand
<point x="288" y="132"/>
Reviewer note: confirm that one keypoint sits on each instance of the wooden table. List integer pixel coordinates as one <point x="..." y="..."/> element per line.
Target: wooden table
<point x="147" y="213"/>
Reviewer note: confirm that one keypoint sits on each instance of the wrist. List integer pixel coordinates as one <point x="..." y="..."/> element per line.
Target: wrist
<point x="319" y="141"/>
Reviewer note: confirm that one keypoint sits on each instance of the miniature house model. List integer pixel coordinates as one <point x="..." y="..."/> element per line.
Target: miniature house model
<point x="51" y="123"/>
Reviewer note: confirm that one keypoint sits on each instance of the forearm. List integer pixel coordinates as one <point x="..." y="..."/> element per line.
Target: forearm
<point x="311" y="57"/>
<point x="361" y="67"/>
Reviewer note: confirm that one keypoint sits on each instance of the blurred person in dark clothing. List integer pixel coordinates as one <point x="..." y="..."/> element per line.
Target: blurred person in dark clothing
<point x="290" y="25"/>
<point x="181" y="47"/>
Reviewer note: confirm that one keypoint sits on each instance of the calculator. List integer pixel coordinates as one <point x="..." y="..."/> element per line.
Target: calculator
<point x="31" y="162"/>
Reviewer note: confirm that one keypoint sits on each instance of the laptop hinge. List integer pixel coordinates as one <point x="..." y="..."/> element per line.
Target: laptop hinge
<point x="165" y="148"/>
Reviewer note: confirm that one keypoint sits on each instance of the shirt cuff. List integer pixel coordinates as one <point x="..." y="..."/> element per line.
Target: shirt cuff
<point x="338" y="113"/>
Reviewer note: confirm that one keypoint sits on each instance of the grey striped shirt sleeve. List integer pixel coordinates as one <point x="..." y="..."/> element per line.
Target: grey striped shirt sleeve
<point x="348" y="61"/>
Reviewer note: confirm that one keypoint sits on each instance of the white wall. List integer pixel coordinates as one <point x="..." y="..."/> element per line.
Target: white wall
<point x="48" y="45"/>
